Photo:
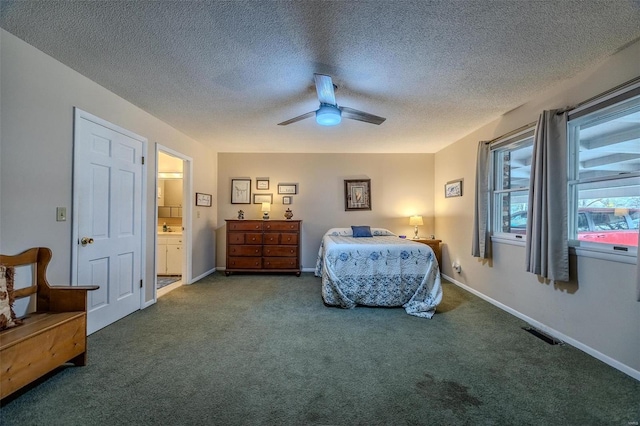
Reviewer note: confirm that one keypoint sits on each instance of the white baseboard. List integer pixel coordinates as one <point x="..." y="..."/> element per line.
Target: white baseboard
<point x="149" y="303"/>
<point x="554" y="333"/>
<point x="201" y="276"/>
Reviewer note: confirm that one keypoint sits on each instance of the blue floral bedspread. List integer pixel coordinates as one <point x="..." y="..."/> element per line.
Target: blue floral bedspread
<point x="383" y="270"/>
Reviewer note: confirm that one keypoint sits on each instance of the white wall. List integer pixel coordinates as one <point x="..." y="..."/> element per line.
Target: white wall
<point x="401" y="186"/>
<point x="38" y="96"/>
<point x="598" y="310"/>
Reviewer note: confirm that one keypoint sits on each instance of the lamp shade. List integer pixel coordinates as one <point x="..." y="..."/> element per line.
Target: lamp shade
<point x="266" y="207"/>
<point x="415" y="220"/>
<point x="328" y="115"/>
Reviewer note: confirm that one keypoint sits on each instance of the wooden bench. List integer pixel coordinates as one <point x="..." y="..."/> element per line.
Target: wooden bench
<point x="56" y="333"/>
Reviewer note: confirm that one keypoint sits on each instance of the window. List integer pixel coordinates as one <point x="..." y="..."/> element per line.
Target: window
<point x="604" y="175"/>
<point x="511" y="158"/>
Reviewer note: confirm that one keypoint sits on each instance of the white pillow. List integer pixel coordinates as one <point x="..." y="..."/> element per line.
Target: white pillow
<point x="348" y="232"/>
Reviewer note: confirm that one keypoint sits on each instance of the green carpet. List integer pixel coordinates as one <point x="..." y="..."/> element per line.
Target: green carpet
<point x="264" y="350"/>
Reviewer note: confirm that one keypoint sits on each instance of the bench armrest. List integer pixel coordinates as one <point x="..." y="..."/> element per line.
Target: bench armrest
<point x="69" y="298"/>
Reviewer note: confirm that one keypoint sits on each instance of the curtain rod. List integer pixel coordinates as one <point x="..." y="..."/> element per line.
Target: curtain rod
<point x="511" y="133"/>
<point x="570" y="108"/>
<point x="619" y="87"/>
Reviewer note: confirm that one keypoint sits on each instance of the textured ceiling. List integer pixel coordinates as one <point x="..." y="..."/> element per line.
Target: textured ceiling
<point x="226" y="72"/>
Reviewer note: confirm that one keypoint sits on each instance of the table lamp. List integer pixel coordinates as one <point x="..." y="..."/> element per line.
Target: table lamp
<point x="266" y="208"/>
<point x="415" y="221"/>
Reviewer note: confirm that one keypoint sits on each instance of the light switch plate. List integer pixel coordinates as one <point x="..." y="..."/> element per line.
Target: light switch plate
<point x="61" y="214"/>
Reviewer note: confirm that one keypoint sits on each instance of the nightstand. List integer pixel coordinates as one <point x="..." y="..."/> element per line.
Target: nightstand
<point x="435" y="246"/>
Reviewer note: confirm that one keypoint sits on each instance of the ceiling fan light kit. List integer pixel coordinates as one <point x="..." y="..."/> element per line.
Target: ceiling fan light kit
<point x="328" y="115"/>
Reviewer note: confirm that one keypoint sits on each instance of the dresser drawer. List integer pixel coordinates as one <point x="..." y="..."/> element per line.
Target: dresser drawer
<point x="244" y="262"/>
<point x="271" y="238"/>
<point x="290" y="251"/>
<point x="278" y="238"/>
<point x="280" y="263"/>
<point x="289" y="239"/>
<point x="244" y="238"/>
<point x="281" y="226"/>
<point x="246" y="250"/>
<point x="249" y="225"/>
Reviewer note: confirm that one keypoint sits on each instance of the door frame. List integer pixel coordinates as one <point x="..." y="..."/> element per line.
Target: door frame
<point x="79" y="114"/>
<point x="187" y="219"/>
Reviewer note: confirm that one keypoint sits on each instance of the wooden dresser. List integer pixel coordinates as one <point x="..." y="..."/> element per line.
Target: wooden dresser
<point x="435" y="246"/>
<point x="263" y="246"/>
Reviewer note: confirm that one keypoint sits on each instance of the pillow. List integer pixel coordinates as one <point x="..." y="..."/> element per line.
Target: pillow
<point x="7" y="316"/>
<point x="381" y="232"/>
<point x="361" y="231"/>
<point x="336" y="232"/>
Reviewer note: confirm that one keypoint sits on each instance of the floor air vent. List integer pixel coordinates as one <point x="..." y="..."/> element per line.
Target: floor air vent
<point x="543" y="336"/>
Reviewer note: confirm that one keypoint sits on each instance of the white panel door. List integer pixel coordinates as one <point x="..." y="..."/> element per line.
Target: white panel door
<point x="108" y="197"/>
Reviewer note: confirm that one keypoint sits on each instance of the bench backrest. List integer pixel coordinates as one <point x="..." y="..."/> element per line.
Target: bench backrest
<point x="39" y="257"/>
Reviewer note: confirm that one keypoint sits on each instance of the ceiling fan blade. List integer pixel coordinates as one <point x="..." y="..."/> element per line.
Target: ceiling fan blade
<point x="324" y="87"/>
<point x="354" y="114"/>
<point x="298" y="118"/>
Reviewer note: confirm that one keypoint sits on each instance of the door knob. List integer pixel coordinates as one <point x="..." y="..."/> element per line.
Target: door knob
<point x="86" y="240"/>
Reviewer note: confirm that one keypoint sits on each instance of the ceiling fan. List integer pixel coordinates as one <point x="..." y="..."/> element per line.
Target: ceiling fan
<point x="329" y="113"/>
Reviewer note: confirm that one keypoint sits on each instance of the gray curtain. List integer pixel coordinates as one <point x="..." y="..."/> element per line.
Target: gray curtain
<point x="638" y="267"/>
<point x="547" y="248"/>
<point x="480" y="244"/>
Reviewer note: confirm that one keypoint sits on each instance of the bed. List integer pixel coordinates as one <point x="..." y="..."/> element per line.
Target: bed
<point x="380" y="270"/>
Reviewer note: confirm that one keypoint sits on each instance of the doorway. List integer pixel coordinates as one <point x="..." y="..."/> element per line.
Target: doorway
<point x="173" y="209"/>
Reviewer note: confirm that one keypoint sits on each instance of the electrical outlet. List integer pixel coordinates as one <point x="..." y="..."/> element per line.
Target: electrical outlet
<point x="61" y="214"/>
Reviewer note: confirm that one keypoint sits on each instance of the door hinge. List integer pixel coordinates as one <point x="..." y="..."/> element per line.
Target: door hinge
<point x="140" y="283"/>
<point x="143" y="160"/>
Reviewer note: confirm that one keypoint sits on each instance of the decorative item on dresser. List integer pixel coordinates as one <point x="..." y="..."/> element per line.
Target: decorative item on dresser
<point x="435" y="246"/>
<point x="263" y="246"/>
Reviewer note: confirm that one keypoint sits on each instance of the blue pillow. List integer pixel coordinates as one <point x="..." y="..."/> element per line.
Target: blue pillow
<point x="361" y="231"/>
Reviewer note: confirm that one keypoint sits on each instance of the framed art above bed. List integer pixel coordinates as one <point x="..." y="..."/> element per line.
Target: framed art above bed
<point x="357" y="194"/>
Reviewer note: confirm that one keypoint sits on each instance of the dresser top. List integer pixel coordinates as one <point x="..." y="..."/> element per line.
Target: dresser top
<point x="262" y="220"/>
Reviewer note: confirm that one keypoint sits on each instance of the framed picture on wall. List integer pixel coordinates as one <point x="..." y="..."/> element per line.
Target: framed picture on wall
<point x="262" y="183"/>
<point x="287" y="188"/>
<point x="357" y="194"/>
<point x="262" y="198"/>
<point x="240" y="191"/>
<point x="287" y="200"/>
<point x="453" y="188"/>
<point x="203" y="199"/>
